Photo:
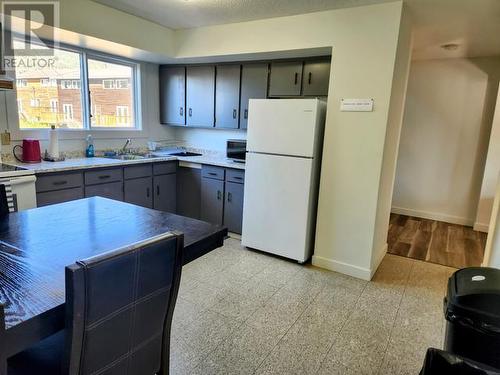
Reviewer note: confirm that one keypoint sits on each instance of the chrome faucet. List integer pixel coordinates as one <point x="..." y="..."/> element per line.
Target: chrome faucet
<point x="127" y="143"/>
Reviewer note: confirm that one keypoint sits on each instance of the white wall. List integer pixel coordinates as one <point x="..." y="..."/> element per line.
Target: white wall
<point x="492" y="250"/>
<point x="71" y="141"/>
<point x="211" y="139"/>
<point x="364" y="42"/>
<point x="391" y="146"/>
<point x="490" y="177"/>
<point x="444" y="139"/>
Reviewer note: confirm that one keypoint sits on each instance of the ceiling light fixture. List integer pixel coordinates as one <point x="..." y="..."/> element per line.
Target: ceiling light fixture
<point x="450" y="46"/>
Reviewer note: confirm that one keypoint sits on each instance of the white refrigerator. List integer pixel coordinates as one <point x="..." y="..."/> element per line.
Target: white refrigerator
<point x="283" y="161"/>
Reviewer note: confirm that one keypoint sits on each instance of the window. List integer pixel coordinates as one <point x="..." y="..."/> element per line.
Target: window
<point x="41" y="92"/>
<point x="53" y="105"/>
<point x="122" y="116"/>
<point x="68" y="112"/>
<point x="71" y="84"/>
<point x="21" y="82"/>
<point x="48" y="82"/>
<point x="57" y="94"/>
<point x="116" y="107"/>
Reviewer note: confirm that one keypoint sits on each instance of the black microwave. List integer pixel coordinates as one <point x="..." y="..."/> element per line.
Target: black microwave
<point x="236" y="149"/>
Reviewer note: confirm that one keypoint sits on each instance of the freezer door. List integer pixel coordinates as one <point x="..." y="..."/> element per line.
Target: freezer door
<point x="283" y="126"/>
<point x="276" y="214"/>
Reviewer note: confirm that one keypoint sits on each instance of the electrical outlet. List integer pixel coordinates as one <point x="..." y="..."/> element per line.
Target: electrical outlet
<point x="5" y="138"/>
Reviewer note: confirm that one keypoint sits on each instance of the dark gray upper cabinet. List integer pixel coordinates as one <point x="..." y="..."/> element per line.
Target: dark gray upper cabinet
<point x="227" y="96"/>
<point x="233" y="207"/>
<point x="164" y="187"/>
<point x="285" y="79"/>
<point x="316" y="78"/>
<point x="212" y="200"/>
<point x="188" y="192"/>
<point x="200" y="86"/>
<point x="173" y="95"/>
<point x="139" y="191"/>
<point x="253" y="86"/>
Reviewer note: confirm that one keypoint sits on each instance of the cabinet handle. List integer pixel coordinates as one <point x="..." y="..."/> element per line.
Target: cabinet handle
<point x="157" y="189"/>
<point x="58" y="183"/>
<point x="147" y="192"/>
<point x="238" y="178"/>
<point x="234" y="113"/>
<point x="245" y="114"/>
<point x="219" y="195"/>
<point x="181" y="111"/>
<point x="310" y="77"/>
<point x="229" y="197"/>
<point x="212" y="173"/>
<point x="190" y="112"/>
<point x="296" y="77"/>
<point x="104" y="177"/>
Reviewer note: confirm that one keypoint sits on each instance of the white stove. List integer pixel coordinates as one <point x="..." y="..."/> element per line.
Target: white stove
<point x="19" y="185"/>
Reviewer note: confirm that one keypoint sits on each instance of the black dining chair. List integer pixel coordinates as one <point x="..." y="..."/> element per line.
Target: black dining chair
<point x="119" y="308"/>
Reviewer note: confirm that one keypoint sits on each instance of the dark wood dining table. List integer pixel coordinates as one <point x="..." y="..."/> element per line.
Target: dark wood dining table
<point x="36" y="245"/>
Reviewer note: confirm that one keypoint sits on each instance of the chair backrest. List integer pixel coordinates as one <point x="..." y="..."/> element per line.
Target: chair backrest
<point x="119" y="308"/>
<point x="4" y="205"/>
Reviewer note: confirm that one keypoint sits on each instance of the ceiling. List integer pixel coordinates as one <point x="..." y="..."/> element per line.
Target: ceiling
<point x="473" y="24"/>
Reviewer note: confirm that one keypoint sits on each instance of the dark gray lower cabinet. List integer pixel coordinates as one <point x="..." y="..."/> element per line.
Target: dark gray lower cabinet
<point x="165" y="192"/>
<point x="212" y="200"/>
<point x="112" y="190"/>
<point x="188" y="192"/>
<point x="58" y="196"/>
<point x="233" y="207"/>
<point x="139" y="191"/>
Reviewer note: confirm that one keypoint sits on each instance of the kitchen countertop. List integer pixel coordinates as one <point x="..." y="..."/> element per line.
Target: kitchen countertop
<point x="99" y="162"/>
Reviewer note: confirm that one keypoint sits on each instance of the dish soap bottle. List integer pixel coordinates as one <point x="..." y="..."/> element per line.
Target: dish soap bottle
<point x="89" y="152"/>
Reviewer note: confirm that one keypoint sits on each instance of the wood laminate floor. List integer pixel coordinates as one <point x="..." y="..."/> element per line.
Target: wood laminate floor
<point x="435" y="241"/>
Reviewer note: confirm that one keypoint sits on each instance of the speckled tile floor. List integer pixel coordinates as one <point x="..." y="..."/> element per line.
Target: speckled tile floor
<point x="244" y="312"/>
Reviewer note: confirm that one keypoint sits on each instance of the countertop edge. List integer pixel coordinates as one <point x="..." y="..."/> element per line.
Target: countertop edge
<point x="102" y="162"/>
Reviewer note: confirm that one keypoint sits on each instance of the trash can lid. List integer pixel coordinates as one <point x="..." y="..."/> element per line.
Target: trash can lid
<point x="474" y="294"/>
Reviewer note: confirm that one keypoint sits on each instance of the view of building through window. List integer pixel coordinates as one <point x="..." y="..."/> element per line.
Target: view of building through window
<point x="42" y="94"/>
<point x="53" y="95"/>
<point x="111" y="94"/>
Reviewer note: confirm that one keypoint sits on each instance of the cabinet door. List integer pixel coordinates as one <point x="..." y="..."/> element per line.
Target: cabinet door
<point x="112" y="190"/>
<point x="138" y="191"/>
<point x="200" y="95"/>
<point x="165" y="192"/>
<point x="233" y="207"/>
<point x="188" y="192"/>
<point x="253" y="86"/>
<point x="212" y="200"/>
<point x="227" y="96"/>
<point x="173" y="95"/>
<point x="286" y="78"/>
<point x="316" y="78"/>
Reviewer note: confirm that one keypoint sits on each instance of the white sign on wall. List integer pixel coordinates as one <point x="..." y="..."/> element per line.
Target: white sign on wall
<point x="356" y="105"/>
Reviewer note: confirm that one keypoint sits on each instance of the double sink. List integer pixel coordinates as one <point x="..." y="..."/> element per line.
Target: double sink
<point x="131" y="156"/>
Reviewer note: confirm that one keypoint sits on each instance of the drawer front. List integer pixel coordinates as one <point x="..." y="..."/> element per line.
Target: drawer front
<point x="112" y="190"/>
<point x="235" y="175"/>
<point x="209" y="171"/>
<point x="103" y="176"/>
<point x="164" y="168"/>
<point x="53" y="197"/>
<point x="137" y="171"/>
<point x="59" y="181"/>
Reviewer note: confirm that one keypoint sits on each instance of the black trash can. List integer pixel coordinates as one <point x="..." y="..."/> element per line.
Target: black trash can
<point x="439" y="362"/>
<point x="472" y="311"/>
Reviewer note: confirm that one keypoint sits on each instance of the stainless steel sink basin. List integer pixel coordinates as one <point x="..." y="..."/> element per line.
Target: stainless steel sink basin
<point x="185" y="153"/>
<point x="126" y="157"/>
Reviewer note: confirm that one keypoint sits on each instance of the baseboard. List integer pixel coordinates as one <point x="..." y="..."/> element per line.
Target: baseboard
<point x="433" y="216"/>
<point x="345" y="268"/>
<point x="480" y="227"/>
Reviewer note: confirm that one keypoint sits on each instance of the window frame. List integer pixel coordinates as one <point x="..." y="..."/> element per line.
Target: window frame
<point x="84" y="55"/>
